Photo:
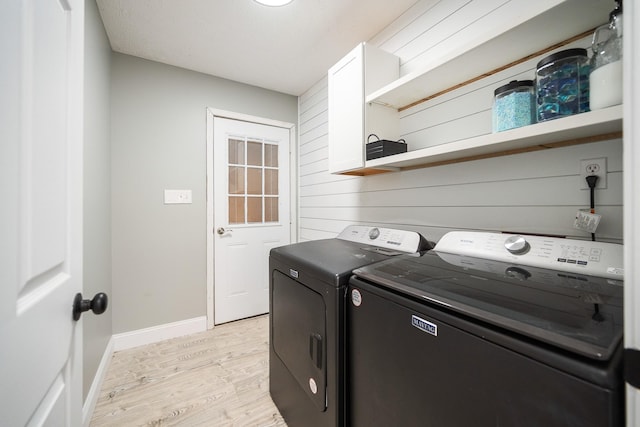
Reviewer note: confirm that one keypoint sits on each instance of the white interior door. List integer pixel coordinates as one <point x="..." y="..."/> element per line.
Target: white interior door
<point x="41" y="45"/>
<point x="251" y="213"/>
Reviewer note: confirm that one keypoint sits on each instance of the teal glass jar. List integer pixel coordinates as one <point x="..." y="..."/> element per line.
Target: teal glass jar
<point x="562" y="84"/>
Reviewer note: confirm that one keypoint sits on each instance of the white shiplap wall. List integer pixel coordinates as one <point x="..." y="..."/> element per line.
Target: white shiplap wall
<point x="537" y="192"/>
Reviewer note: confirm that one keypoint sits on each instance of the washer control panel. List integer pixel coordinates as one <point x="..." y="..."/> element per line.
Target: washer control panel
<point x="386" y="238"/>
<point x="580" y="256"/>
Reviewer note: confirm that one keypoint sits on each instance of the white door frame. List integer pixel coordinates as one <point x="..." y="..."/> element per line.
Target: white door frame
<point x="631" y="186"/>
<point x="293" y="182"/>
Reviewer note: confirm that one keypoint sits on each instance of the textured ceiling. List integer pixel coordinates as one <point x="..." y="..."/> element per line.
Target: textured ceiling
<point x="286" y="49"/>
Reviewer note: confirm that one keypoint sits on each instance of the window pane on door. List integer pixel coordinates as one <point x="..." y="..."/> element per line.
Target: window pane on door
<point x="254" y="209"/>
<point x="254" y="181"/>
<point x="271" y="155"/>
<point x="271" y="181"/>
<point x="236" y="180"/>
<point x="236" y="210"/>
<point x="271" y="209"/>
<point x="254" y="153"/>
<point x="236" y="151"/>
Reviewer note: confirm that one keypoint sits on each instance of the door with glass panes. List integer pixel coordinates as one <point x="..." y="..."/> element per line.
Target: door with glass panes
<point x="251" y="213"/>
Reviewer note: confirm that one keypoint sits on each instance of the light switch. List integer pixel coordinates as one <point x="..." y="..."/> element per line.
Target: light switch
<point x="177" y="196"/>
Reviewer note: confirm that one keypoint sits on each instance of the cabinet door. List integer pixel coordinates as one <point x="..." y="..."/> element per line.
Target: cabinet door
<point x="346" y="113"/>
<point x="364" y="70"/>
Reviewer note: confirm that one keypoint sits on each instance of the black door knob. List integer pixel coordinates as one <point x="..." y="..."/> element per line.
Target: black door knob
<point x="98" y="304"/>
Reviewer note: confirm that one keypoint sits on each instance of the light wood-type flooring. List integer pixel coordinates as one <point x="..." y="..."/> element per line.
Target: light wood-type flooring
<point x="214" y="378"/>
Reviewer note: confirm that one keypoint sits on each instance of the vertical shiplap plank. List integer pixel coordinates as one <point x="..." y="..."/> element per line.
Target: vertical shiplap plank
<point x="418" y="21"/>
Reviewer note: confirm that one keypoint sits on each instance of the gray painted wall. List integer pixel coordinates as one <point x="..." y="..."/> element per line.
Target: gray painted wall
<point x="158" y="137"/>
<point x="97" y="330"/>
<point x="536" y="192"/>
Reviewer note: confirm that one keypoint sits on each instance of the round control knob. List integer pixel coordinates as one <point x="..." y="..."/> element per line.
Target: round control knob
<point x="517" y="245"/>
<point x="374" y="233"/>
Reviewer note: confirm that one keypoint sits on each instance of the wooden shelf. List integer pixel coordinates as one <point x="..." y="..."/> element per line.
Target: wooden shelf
<point x="501" y="40"/>
<point x="578" y="129"/>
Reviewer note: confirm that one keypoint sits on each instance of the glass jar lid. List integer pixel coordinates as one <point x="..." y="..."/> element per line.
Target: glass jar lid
<point x="563" y="54"/>
<point x="514" y="84"/>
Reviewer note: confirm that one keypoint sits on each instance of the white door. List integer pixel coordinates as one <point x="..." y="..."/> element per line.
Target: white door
<point x="41" y="44"/>
<point x="251" y="213"/>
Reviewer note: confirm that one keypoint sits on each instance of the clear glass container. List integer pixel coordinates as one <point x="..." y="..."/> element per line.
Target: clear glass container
<point x="514" y="105"/>
<point x="606" y="63"/>
<point x="562" y="84"/>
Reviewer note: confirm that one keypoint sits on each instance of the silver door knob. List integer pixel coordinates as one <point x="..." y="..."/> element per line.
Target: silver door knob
<point x="221" y="230"/>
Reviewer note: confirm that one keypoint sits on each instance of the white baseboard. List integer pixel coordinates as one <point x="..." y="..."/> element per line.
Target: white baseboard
<point x="94" y="392"/>
<point x="145" y="336"/>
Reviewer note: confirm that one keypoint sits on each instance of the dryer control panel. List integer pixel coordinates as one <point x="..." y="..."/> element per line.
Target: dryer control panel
<point x="386" y="238"/>
<point x="579" y="256"/>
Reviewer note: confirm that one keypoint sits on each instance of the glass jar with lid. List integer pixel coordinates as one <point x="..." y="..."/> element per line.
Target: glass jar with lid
<point x="562" y="84"/>
<point x="606" y="62"/>
<point x="514" y="105"/>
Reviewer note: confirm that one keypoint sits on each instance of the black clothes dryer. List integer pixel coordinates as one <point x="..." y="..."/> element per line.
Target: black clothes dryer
<point x="307" y="288"/>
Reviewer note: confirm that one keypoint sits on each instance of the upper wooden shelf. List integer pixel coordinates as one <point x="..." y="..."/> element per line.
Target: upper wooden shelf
<point x="578" y="129"/>
<point x="500" y="41"/>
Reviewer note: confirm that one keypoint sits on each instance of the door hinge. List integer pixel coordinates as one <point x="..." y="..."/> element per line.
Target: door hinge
<point x="632" y="366"/>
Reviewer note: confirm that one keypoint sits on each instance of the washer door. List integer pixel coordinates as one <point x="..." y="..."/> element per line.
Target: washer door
<point x="299" y="336"/>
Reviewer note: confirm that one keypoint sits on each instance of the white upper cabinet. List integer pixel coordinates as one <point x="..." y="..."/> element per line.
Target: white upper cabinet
<point x="364" y="70"/>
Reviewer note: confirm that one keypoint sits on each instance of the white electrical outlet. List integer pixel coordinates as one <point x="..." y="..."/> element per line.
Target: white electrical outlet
<point x="593" y="167"/>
